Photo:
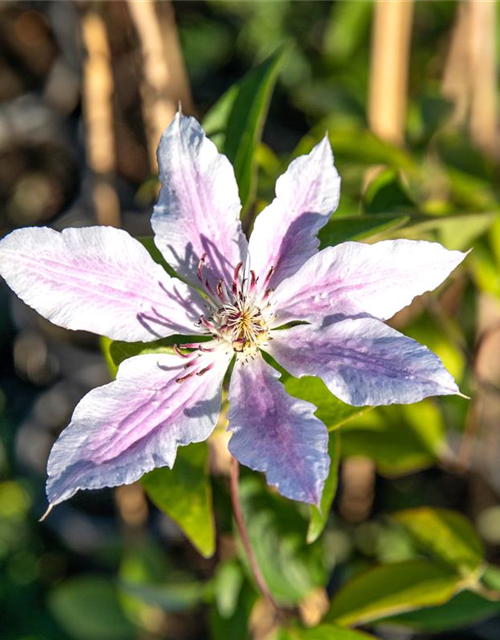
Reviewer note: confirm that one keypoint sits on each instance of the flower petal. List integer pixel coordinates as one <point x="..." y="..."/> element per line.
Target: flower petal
<point x="284" y="235"/>
<point x="276" y="433"/>
<point x="120" y="431"/>
<point x="97" y="279"/>
<point x="198" y="209"/>
<point x="363" y="362"/>
<point x="351" y="278"/>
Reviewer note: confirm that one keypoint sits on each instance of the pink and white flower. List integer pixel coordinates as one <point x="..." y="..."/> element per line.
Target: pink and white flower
<point x="248" y="297"/>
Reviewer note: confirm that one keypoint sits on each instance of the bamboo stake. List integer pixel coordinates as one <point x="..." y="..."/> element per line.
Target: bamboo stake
<point x="391" y="37"/>
<point x="483" y="114"/>
<point x="164" y="82"/>
<point x="469" y="79"/>
<point x="98" y="87"/>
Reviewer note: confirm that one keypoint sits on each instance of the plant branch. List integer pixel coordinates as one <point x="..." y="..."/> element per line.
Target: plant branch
<point x="240" y="523"/>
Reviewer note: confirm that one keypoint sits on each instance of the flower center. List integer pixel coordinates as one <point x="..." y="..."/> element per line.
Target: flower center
<point x="238" y="318"/>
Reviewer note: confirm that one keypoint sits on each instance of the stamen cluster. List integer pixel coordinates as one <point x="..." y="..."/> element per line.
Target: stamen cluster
<point x="237" y="318"/>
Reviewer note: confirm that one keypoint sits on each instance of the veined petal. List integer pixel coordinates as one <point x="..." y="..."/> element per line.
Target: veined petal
<point x="198" y="209"/>
<point x="97" y="279"/>
<point x="351" y="278"/>
<point x="276" y="433"/>
<point x="120" y="431"/>
<point x="285" y="232"/>
<point x="363" y="362"/>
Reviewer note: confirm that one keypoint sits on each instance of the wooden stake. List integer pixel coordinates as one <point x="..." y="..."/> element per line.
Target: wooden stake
<point x="391" y="38"/>
<point x="98" y="88"/>
<point x="164" y="83"/>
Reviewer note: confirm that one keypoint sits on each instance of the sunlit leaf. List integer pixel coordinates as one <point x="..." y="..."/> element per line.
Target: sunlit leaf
<point x="464" y="609"/>
<point x="319" y="517"/>
<point x="332" y="411"/>
<point x="237" y="120"/>
<point x="185" y="494"/>
<point x="391" y="589"/>
<point x="399" y="439"/>
<point x="322" y="632"/>
<point x="445" y="534"/>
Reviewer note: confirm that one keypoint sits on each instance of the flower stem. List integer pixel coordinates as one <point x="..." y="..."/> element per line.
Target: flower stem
<point x="240" y="523"/>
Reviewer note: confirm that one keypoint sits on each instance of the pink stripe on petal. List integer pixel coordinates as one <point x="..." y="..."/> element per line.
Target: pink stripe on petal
<point x="97" y="279"/>
<point x="276" y="433"/>
<point x="120" y="431"/>
<point x="353" y="277"/>
<point x="198" y="210"/>
<point x="285" y="232"/>
<point x="363" y="362"/>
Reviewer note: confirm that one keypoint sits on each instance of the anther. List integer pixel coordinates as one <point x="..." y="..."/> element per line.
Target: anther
<point x="200" y="373"/>
<point x="220" y="293"/>
<point x="269" y="276"/>
<point x="184" y="378"/>
<point x="200" y="267"/>
<point x="268" y="293"/>
<point x="235" y="277"/>
<point x="253" y="281"/>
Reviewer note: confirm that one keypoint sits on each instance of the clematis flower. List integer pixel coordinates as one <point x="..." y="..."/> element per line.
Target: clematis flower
<point x="316" y="313"/>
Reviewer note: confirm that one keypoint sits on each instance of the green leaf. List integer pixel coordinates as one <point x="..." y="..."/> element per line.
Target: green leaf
<point x="457" y="232"/>
<point x="464" y="609"/>
<point x="491" y="578"/>
<point x="226" y="624"/>
<point x="391" y="589"/>
<point x="277" y="532"/>
<point x="185" y="494"/>
<point x="228" y="583"/>
<point x="359" y="228"/>
<point x="322" y="632"/>
<point x="399" y="439"/>
<point x="172" y="598"/>
<point x="237" y="121"/>
<point x="319" y="517"/>
<point x="88" y="608"/>
<point x="347" y="29"/>
<point x="447" y="535"/>
<point x="386" y="194"/>
<point x="332" y="411"/>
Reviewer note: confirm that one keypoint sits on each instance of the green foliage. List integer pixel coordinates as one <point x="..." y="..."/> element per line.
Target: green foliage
<point x="399" y="439"/>
<point x="332" y="411"/>
<point x="464" y="609"/>
<point x="386" y="194"/>
<point x="277" y="532"/>
<point x="359" y="228"/>
<point x="447" y="535"/>
<point x="322" y="632"/>
<point x="237" y="120"/>
<point x="391" y="589"/>
<point x="184" y="493"/>
<point x="88" y="608"/>
<point x="319" y="517"/>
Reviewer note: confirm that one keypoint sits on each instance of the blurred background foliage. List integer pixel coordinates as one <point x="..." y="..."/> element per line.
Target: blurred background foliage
<point x="408" y="93"/>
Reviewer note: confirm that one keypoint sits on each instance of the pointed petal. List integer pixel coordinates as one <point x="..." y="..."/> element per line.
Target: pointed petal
<point x="276" y="433"/>
<point x="285" y="232"/>
<point x="132" y="425"/>
<point x="97" y="279"/>
<point x="198" y="209"/>
<point x="363" y="362"/>
<point x="351" y="278"/>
